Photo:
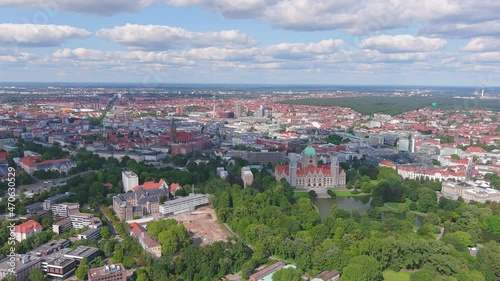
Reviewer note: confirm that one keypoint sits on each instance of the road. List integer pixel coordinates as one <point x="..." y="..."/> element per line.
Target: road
<point x="112" y="229"/>
<point x="39" y="185"/>
<point x="440" y="234"/>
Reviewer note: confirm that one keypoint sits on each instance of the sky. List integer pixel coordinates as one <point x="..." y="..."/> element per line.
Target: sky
<point x="355" y="42"/>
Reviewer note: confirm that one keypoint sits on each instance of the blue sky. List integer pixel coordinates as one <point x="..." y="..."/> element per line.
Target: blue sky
<point x="365" y="42"/>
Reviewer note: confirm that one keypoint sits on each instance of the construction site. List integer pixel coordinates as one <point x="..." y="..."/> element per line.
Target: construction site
<point x="203" y="225"/>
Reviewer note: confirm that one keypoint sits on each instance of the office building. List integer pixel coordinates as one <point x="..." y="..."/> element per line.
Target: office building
<point x="113" y="272"/>
<point x="129" y="180"/>
<point x="47" y="203"/>
<point x="20" y="266"/>
<point x="63" y="209"/>
<point x="183" y="204"/>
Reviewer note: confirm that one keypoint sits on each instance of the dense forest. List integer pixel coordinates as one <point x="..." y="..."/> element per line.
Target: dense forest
<point x="396" y="105"/>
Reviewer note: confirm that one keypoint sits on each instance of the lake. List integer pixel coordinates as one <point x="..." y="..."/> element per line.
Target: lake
<point x="360" y="203"/>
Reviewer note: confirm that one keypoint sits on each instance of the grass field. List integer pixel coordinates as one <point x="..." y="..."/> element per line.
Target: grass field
<point x="301" y="194"/>
<point x="346" y="193"/>
<point x="390" y="275"/>
<point x="396" y="105"/>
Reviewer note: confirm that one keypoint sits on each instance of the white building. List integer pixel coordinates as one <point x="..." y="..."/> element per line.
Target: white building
<point x="183" y="204"/>
<point x="480" y="192"/>
<point x="63" y="209"/>
<point x="27" y="230"/>
<point x="246" y="176"/>
<point x="129" y="180"/>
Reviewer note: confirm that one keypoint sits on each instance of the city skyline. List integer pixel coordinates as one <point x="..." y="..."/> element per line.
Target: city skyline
<point x="252" y="42"/>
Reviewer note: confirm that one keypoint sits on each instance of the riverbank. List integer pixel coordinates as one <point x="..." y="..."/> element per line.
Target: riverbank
<point x="323" y="193"/>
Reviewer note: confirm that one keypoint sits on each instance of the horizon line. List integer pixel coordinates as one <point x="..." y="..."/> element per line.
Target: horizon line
<point x="153" y="85"/>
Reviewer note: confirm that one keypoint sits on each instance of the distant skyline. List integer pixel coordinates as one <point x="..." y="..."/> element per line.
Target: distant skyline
<point x="316" y="42"/>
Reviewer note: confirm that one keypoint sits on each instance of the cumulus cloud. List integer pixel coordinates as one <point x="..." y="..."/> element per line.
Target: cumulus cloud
<point x="31" y="35"/>
<point x="403" y="44"/>
<point x="463" y="30"/>
<point x="464" y="18"/>
<point x="302" y="50"/>
<point x="482" y="44"/>
<point x="93" y="7"/>
<point x="158" y="37"/>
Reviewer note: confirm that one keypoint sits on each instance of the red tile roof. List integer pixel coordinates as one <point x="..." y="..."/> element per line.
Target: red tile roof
<point x="27" y="227"/>
<point x="387" y="163"/>
<point x="149" y="185"/>
<point x="473" y="149"/>
<point x="174" y="187"/>
<point x="31" y="161"/>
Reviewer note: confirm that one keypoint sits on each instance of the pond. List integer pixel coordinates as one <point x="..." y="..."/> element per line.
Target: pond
<point x="360" y="203"/>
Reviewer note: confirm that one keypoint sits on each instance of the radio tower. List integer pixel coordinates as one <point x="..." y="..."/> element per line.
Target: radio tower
<point x="482" y="92"/>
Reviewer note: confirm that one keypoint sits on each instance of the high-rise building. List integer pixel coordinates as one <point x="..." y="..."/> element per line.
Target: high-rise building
<point x="262" y="111"/>
<point x="129" y="180"/>
<point x="238" y="111"/>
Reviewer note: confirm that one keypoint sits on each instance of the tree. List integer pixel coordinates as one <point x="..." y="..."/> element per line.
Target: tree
<point x="37" y="275"/>
<point x="362" y="268"/>
<point x="465" y="275"/>
<point x="331" y="193"/>
<point x="493" y="224"/>
<point x="287" y="274"/>
<point x="9" y="277"/>
<point x="81" y="271"/>
<point x="488" y="256"/>
<point x="312" y="194"/>
<point x="105" y="233"/>
<point x="455" y="157"/>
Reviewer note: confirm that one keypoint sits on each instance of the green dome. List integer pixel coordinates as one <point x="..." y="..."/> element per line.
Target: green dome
<point x="309" y="151"/>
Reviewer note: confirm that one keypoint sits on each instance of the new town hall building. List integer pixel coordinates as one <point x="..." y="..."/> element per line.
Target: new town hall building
<point x="304" y="171"/>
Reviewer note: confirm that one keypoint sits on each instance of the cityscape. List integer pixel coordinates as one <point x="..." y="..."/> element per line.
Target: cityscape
<point x="162" y="171"/>
<point x="283" y="140"/>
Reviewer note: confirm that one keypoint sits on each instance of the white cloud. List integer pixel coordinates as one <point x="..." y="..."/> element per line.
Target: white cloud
<point x="403" y="44"/>
<point x="93" y="7"/>
<point x="463" y="30"/>
<point x="158" y="37"/>
<point x="441" y="18"/>
<point x="31" y="35"/>
<point x="302" y="50"/>
<point x="482" y="44"/>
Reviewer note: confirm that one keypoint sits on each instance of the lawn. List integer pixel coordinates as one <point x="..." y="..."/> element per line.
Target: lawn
<point x="394" y="205"/>
<point x="346" y="193"/>
<point x="390" y="275"/>
<point x="301" y="194"/>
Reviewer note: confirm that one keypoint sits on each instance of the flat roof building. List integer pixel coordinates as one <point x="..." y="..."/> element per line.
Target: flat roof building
<point x="18" y="265"/>
<point x="113" y="272"/>
<point x="183" y="204"/>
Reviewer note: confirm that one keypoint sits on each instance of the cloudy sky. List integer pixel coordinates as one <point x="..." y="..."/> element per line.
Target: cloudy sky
<point x="365" y="42"/>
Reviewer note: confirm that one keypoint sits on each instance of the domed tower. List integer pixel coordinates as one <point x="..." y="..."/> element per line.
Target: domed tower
<point x="309" y="157"/>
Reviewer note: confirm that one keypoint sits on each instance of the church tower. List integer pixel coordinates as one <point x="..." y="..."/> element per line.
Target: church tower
<point x="173" y="132"/>
<point x="309" y="157"/>
<point x="292" y="172"/>
<point x="334" y="167"/>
